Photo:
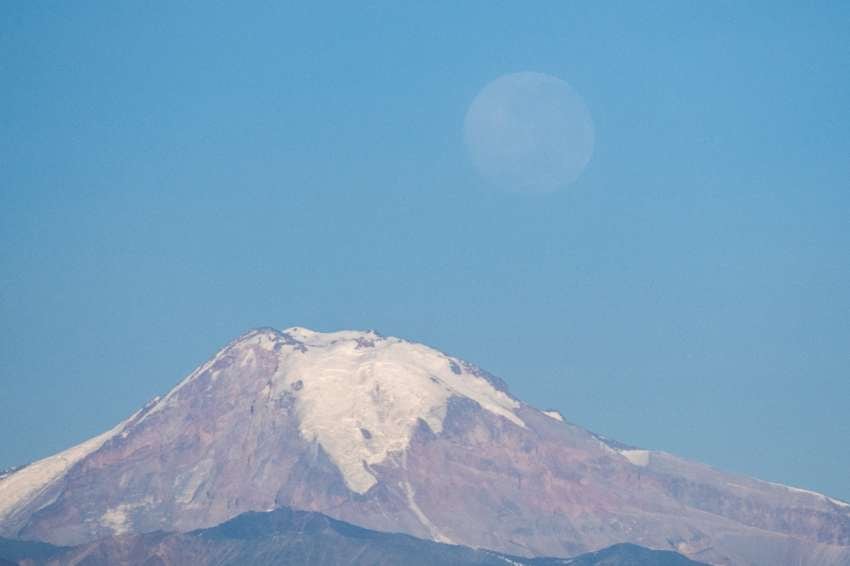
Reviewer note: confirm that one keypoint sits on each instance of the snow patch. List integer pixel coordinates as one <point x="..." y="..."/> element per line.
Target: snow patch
<point x="637" y="457"/>
<point x="116" y="519"/>
<point x="820" y="496"/>
<point x="250" y="358"/>
<point x="555" y="415"/>
<point x="411" y="503"/>
<point x="25" y="485"/>
<point x="509" y="561"/>
<point x="186" y="485"/>
<point x="385" y="388"/>
<point x="801" y="491"/>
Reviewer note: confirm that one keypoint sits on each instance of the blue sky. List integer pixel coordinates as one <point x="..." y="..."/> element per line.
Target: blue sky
<point x="173" y="174"/>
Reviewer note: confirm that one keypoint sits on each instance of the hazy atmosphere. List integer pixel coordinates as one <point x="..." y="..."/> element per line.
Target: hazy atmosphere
<point x="175" y="174"/>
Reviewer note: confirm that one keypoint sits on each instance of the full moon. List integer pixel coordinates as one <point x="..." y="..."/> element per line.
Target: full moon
<point x="529" y="132"/>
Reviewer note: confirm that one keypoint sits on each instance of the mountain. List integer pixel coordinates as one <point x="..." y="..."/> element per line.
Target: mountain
<point x="285" y="536"/>
<point x="395" y="436"/>
<point x="625" y="554"/>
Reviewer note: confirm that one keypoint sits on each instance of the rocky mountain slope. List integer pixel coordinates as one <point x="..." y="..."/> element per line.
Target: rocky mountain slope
<point x="395" y="436"/>
<point x="305" y="538"/>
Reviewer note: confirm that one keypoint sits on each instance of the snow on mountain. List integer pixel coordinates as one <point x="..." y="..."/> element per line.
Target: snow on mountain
<point x="360" y="395"/>
<point x="637" y="457"/>
<point x="393" y="435"/>
<point x="28" y="483"/>
<point x="555" y="415"/>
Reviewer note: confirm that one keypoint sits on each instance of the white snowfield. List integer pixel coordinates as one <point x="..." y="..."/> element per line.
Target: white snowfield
<point x="361" y="395"/>
<point x="23" y="486"/>
<point x="809" y="492"/>
<point x="554" y="415"/>
<point x="639" y="458"/>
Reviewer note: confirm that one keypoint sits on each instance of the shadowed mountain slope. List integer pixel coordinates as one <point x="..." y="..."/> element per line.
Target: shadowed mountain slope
<point x="284" y="536"/>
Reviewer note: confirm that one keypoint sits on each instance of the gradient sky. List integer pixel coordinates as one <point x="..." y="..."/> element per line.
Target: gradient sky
<point x="173" y="174"/>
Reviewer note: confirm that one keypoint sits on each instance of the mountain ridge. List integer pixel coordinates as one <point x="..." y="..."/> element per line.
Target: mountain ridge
<point x="286" y="536"/>
<point x="394" y="435"/>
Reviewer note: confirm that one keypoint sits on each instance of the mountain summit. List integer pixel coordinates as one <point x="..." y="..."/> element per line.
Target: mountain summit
<point x="396" y="436"/>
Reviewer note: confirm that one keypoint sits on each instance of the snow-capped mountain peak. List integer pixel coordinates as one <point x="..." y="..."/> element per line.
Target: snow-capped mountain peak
<point x="394" y="435"/>
<point x="359" y="395"/>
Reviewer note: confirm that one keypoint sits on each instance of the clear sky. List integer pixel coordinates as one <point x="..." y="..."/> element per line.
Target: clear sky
<point x="173" y="174"/>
